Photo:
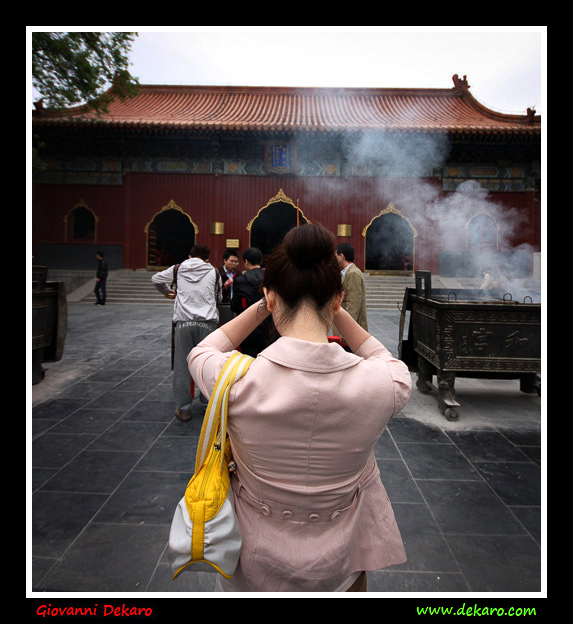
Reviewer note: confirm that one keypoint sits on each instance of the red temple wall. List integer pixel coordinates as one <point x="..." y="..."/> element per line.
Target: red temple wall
<point x="124" y="211"/>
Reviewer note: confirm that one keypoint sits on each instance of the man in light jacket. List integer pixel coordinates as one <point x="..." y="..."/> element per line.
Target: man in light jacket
<point x="353" y="285"/>
<point x="195" y="286"/>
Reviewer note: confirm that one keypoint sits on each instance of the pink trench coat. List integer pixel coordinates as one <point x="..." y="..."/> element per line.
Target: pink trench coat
<point x="303" y="423"/>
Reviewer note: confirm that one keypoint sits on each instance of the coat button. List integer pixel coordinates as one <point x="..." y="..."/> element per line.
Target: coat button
<point x="314" y="517"/>
<point x="266" y="510"/>
<point x="287" y="514"/>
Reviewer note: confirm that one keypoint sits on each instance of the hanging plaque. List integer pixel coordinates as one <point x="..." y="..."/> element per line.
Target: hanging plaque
<point x="280" y="158"/>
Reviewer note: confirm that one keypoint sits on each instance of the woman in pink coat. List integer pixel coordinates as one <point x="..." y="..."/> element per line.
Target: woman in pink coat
<point x="303" y="423"/>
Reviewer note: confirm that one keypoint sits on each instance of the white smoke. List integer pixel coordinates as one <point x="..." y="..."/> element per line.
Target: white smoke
<point x="406" y="170"/>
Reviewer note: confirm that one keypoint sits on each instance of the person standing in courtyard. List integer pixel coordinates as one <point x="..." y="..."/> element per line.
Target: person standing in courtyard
<point x="248" y="289"/>
<point x="354" y="301"/>
<point x="195" y="286"/>
<point x="303" y="423"/>
<point x="100" y="288"/>
<point x="228" y="271"/>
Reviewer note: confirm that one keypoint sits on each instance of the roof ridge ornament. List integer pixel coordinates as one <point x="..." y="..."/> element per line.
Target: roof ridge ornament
<point x="460" y="85"/>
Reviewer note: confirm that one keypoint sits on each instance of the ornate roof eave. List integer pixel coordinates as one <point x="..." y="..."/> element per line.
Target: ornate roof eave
<point x="461" y="88"/>
<point x="174" y="130"/>
<point x="286" y="111"/>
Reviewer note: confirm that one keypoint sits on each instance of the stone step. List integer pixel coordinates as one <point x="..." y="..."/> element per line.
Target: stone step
<point x="383" y="292"/>
<point x="132" y="287"/>
<point x="386" y="292"/>
<point x="135" y="287"/>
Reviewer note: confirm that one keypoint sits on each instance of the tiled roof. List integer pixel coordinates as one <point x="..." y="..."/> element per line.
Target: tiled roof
<point x="275" y="109"/>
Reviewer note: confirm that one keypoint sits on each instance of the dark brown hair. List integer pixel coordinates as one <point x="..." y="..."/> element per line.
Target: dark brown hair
<point x="304" y="268"/>
<point x="200" y="251"/>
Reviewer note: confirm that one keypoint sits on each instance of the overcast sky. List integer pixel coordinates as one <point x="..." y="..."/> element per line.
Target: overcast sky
<point x="505" y="65"/>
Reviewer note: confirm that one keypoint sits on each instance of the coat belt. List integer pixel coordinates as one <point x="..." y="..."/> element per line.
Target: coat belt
<point x="286" y="511"/>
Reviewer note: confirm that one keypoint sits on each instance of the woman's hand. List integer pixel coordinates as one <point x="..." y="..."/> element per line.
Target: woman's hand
<point x="243" y="324"/>
<point x="354" y="334"/>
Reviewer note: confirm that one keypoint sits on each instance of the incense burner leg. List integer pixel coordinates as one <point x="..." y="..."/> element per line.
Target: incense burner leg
<point x="425" y="374"/>
<point x="530" y="384"/>
<point x="447" y="395"/>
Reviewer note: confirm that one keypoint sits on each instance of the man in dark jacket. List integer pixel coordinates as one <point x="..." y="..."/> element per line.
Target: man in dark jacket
<point x="247" y="289"/>
<point x="101" y="279"/>
<point x="228" y="273"/>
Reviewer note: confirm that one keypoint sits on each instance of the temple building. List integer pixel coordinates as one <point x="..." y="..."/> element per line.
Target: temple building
<point x="412" y="178"/>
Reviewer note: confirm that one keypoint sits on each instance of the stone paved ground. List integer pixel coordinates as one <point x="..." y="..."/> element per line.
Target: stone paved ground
<point x="109" y="461"/>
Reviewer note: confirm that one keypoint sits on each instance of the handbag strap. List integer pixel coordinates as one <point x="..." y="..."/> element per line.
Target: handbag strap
<point x="216" y="414"/>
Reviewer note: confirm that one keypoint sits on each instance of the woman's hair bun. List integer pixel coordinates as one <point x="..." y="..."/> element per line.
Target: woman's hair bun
<point x="304" y="267"/>
<point x="308" y="246"/>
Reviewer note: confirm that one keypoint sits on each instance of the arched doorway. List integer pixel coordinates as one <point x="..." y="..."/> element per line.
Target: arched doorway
<point x="170" y="236"/>
<point x="389" y="243"/>
<point x="273" y="221"/>
<point x="482" y="232"/>
<point x="81" y="223"/>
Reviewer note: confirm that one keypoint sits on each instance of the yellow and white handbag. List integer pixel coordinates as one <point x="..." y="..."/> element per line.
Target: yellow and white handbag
<point x="204" y="530"/>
